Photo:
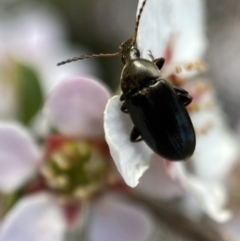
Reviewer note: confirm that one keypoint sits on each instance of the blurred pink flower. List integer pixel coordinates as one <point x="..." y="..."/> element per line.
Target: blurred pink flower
<point x="40" y="217"/>
<point x="75" y="109"/>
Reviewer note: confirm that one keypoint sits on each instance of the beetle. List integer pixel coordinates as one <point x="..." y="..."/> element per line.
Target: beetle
<point x="157" y="109"/>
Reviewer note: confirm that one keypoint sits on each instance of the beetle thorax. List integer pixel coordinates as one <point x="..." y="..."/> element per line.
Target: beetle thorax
<point x="138" y="74"/>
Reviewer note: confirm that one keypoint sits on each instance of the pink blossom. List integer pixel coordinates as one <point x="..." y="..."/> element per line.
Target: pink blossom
<point x="75" y="108"/>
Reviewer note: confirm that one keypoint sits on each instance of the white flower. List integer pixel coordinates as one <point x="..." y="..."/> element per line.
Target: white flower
<point x="163" y="18"/>
<point x="169" y="29"/>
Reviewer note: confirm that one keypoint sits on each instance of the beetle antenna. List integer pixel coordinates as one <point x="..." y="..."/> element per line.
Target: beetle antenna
<point x="137" y="23"/>
<point x="87" y="56"/>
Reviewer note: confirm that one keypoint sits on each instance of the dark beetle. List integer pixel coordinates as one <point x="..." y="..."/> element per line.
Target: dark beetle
<point x="156" y="108"/>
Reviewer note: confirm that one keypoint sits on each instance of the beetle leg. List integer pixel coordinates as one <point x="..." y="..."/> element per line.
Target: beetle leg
<point x="179" y="90"/>
<point x="159" y="62"/>
<point x="183" y="95"/>
<point x="124" y="108"/>
<point x="150" y="55"/>
<point x="185" y="98"/>
<point x="122" y="97"/>
<point x="135" y="135"/>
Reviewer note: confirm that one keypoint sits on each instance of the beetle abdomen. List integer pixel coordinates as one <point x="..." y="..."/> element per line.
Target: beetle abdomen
<point x="162" y="120"/>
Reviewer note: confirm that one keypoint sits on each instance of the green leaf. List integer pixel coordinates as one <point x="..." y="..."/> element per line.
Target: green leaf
<point x="29" y="92"/>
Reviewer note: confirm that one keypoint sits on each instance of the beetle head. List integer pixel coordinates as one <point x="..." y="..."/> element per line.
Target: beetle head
<point x="128" y="51"/>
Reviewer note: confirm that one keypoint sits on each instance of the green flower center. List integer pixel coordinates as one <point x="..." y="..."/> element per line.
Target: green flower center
<point x="77" y="170"/>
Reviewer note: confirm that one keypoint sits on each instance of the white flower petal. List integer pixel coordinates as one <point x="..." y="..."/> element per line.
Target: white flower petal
<point x="232" y="227"/>
<point x="154" y="29"/>
<point x="76" y="107"/>
<point x="211" y="196"/>
<point x="217" y="150"/>
<point x="119" y="220"/>
<point x="189" y="30"/>
<point x="131" y="159"/>
<point x="35" y="218"/>
<point x="19" y="156"/>
<point x="178" y="22"/>
<point x="157" y="183"/>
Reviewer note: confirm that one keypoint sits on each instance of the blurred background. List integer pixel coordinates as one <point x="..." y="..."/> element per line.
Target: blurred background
<point x="35" y="35"/>
<point x="99" y="26"/>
